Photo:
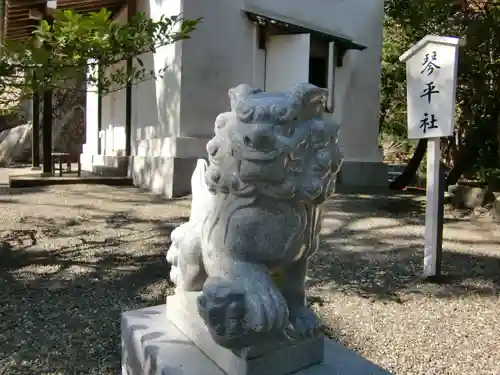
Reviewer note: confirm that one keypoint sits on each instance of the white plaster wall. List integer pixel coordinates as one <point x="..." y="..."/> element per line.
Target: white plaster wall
<point x="287" y="61"/>
<point x="156" y="102"/>
<point x="200" y="71"/>
<point x="223" y="53"/>
<point x="113" y="119"/>
<point x="357" y="102"/>
<point x="219" y="56"/>
<point x="113" y="112"/>
<point x="359" y="89"/>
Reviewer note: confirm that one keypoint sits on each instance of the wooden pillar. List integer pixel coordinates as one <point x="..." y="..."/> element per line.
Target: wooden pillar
<point x="131" y="11"/>
<point x="100" y="72"/>
<point x="47" y="132"/>
<point x="128" y="114"/>
<point x="47" y="167"/>
<point x="35" y="139"/>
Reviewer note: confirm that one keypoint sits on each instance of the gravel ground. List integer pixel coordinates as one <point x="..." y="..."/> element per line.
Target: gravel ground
<point x="366" y="278"/>
<point x="73" y="257"/>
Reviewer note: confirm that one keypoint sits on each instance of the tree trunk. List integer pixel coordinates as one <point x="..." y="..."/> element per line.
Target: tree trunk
<point x="411" y="169"/>
<point x="498" y="138"/>
<point x="464" y="162"/>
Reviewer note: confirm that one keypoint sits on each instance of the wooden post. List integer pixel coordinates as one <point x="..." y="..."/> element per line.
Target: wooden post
<point x="128" y="113"/>
<point x="434" y="211"/>
<point x="47" y="166"/>
<point x="47" y="169"/>
<point x="100" y="73"/>
<point x="131" y="11"/>
<point x="35" y="139"/>
<point x="431" y="71"/>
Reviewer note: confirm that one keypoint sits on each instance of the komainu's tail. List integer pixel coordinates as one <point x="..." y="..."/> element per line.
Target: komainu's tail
<point x="202" y="198"/>
<point x="187" y="270"/>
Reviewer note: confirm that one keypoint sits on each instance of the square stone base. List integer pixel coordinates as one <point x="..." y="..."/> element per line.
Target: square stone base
<point x="152" y="344"/>
<point x="279" y="356"/>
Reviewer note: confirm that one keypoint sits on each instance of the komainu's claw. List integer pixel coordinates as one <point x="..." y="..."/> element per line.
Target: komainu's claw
<point x="305" y="322"/>
<point x="267" y="310"/>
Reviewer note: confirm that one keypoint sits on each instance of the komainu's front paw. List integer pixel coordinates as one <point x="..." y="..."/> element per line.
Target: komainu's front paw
<point x="223" y="310"/>
<point x="237" y="316"/>
<point x="305" y="322"/>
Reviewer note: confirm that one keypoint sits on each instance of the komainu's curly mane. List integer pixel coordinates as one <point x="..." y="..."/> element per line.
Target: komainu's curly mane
<point x="263" y="132"/>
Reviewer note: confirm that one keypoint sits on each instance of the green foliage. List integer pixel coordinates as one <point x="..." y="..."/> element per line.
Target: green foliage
<point x="79" y="44"/>
<point x="393" y="89"/>
<point x="478" y="82"/>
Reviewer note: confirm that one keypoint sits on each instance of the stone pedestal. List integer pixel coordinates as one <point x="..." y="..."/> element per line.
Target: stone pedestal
<point x="153" y="344"/>
<point x="281" y="357"/>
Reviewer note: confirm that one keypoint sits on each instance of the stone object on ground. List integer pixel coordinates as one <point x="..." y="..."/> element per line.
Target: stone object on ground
<point x="272" y="162"/>
<point x="271" y="357"/>
<point x="67" y="136"/>
<point x="254" y="224"/>
<point x="463" y="196"/>
<point x="495" y="208"/>
<point x="13" y="141"/>
<point x="240" y="262"/>
<point x="152" y="344"/>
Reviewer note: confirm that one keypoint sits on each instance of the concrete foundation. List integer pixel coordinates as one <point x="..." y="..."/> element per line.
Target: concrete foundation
<point x="163" y="166"/>
<point x="163" y="175"/>
<point x="152" y="344"/>
<point x="167" y="176"/>
<point x="357" y="176"/>
<point x="171" y="176"/>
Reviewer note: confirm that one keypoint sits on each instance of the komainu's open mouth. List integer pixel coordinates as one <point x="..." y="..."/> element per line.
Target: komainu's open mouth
<point x="293" y="163"/>
<point x="255" y="155"/>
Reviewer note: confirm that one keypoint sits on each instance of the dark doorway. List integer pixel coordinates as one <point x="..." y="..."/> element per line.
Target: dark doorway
<point x="318" y="71"/>
<point x="319" y="64"/>
<point x="318" y="61"/>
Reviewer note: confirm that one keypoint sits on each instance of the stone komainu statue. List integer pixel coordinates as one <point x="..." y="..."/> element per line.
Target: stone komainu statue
<point x="255" y="215"/>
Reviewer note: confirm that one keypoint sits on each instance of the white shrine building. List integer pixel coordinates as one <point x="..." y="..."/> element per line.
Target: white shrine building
<point x="155" y="131"/>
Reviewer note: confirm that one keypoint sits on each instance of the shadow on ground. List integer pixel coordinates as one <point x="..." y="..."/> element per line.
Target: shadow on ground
<point x="65" y="280"/>
<point x="378" y="253"/>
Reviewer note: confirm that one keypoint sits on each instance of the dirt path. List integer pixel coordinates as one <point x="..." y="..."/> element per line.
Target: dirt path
<point x="73" y="257"/>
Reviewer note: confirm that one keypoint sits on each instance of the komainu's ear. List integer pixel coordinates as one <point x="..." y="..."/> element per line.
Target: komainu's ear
<point x="239" y="93"/>
<point x="312" y="98"/>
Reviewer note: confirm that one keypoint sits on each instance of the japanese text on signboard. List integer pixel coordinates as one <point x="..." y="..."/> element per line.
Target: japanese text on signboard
<point x="429" y="66"/>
